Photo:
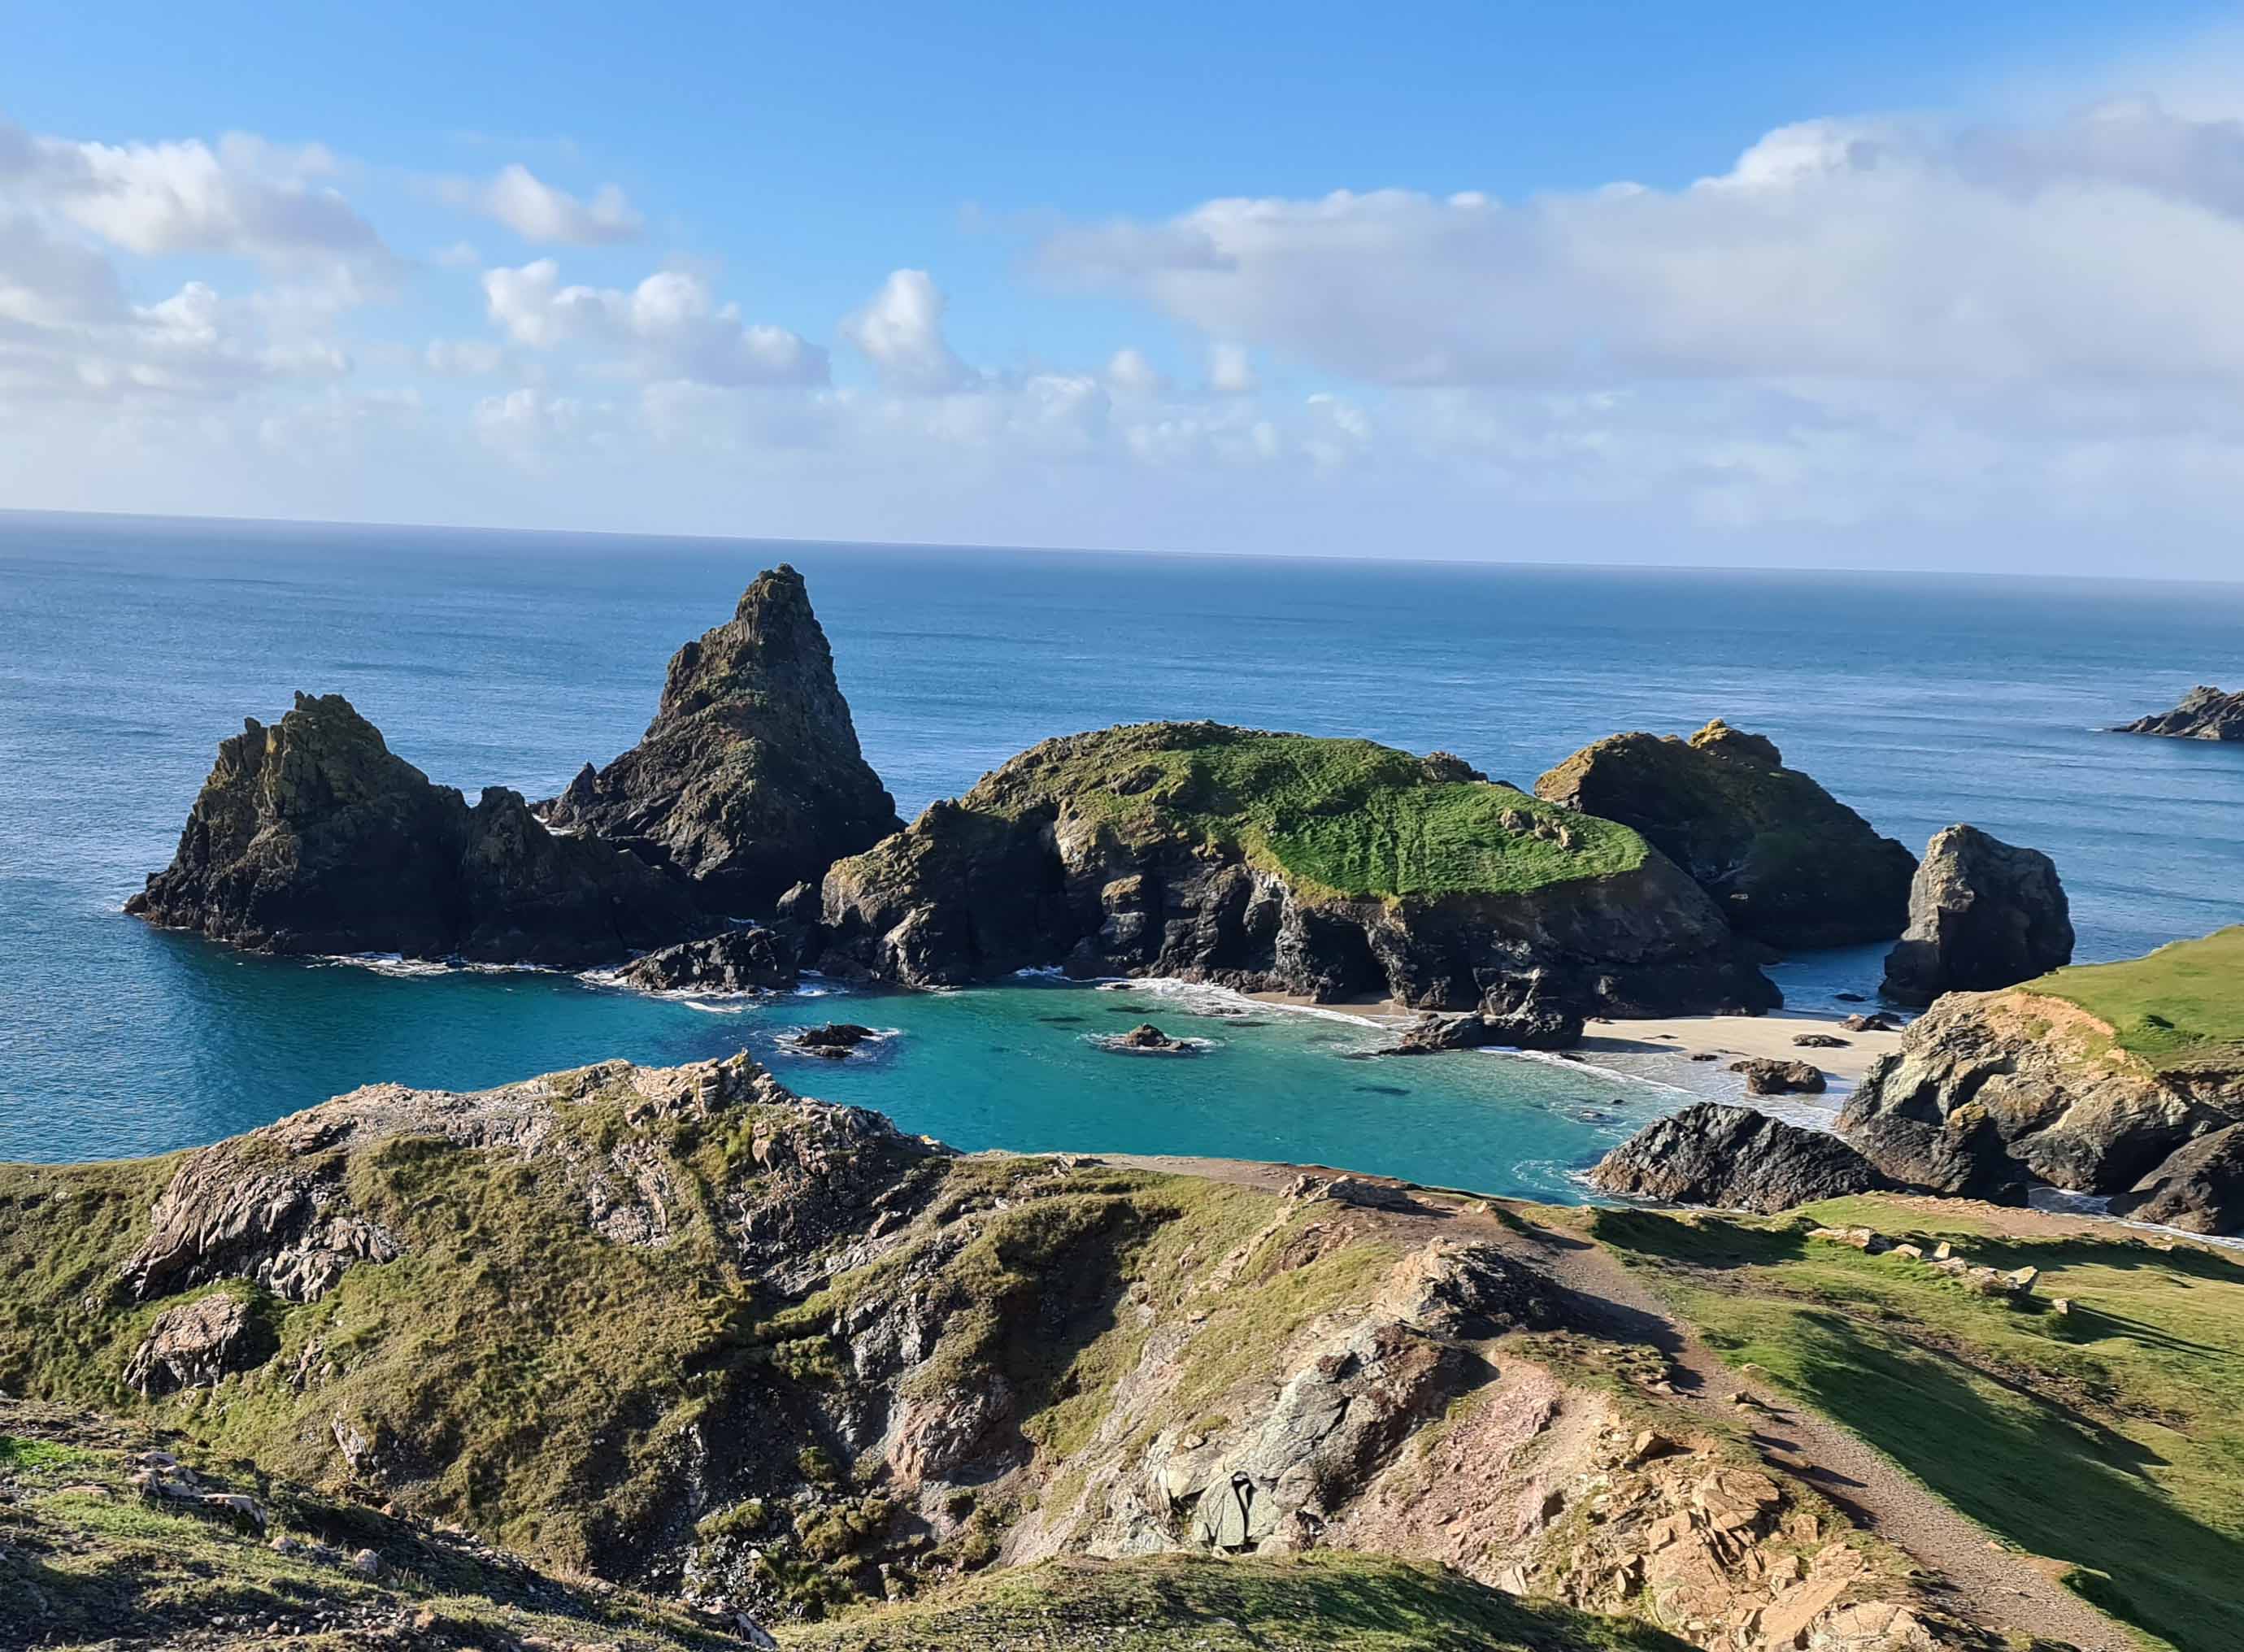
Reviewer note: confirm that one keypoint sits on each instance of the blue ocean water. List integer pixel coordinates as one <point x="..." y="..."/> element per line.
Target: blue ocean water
<point x="129" y="647"/>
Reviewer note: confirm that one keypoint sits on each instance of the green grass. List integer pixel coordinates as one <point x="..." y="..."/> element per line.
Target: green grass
<point x="1180" y="1603"/>
<point x="2179" y="1006"/>
<point x="2112" y="1438"/>
<point x="1348" y="817"/>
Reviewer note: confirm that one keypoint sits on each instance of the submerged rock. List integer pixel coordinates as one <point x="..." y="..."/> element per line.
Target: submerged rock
<point x="1983" y="915"/>
<point x="1788" y="864"/>
<point x="2205" y="713"/>
<point x="1331" y="868"/>
<point x="1765" y="1075"/>
<point x="750" y="777"/>
<point x="311" y="836"/>
<point x="747" y="959"/>
<point x="1736" y="1159"/>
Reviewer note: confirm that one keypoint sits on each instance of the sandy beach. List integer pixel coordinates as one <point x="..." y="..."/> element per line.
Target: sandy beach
<point x="1728" y="1036"/>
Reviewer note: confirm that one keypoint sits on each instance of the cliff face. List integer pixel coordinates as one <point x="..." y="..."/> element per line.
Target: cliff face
<point x="683" y="1329"/>
<point x="2203" y="714"/>
<point x="1277" y="861"/>
<point x="1983" y="915"/>
<point x="750" y="778"/>
<point x="1992" y="1091"/>
<point x="1786" y="862"/>
<point x="311" y="836"/>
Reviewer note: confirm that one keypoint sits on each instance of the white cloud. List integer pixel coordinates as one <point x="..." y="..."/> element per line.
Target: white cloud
<point x="2104" y="245"/>
<point x="1230" y="372"/>
<point x="670" y="326"/>
<point x="540" y="212"/>
<point x="1129" y="373"/>
<point x="900" y="331"/>
<point x="464" y="358"/>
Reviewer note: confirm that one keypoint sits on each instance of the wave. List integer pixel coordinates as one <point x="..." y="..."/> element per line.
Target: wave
<point x="401" y="967"/>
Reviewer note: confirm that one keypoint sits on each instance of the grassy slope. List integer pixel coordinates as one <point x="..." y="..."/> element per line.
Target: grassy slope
<point x="83" y="1559"/>
<point x="1178" y="1604"/>
<point x="2112" y="1438"/>
<point x="2178" y="1007"/>
<point x="1347" y="817"/>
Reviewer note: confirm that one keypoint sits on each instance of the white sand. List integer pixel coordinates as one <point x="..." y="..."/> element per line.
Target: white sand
<point x="1731" y="1037"/>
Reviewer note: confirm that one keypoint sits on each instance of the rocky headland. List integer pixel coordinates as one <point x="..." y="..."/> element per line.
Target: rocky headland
<point x="311" y="836"/>
<point x="1788" y="864"/>
<point x="2106" y="1079"/>
<point x="750" y="778"/>
<point x="1983" y="915"/>
<point x="1280" y="862"/>
<point x="2205" y="713"/>
<point x="768" y="1360"/>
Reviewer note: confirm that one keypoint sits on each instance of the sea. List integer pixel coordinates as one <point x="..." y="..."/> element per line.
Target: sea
<point x="130" y="646"/>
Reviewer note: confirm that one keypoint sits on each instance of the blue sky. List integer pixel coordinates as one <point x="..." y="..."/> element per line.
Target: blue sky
<point x="895" y="253"/>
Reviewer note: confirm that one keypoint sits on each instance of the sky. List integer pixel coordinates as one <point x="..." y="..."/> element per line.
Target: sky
<point x="1912" y="286"/>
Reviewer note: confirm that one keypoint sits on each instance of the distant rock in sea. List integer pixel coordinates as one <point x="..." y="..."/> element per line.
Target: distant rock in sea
<point x="1735" y="1158"/>
<point x="2203" y="714"/>
<point x="1787" y="863"/>
<point x="1264" y="861"/>
<point x="750" y="778"/>
<point x="1983" y="915"/>
<point x="311" y="836"/>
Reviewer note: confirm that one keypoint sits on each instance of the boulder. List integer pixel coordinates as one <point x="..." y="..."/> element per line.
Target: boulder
<point x="1736" y="1159"/>
<point x="2198" y="1187"/>
<point x="1983" y="915"/>
<point x="1765" y="1075"/>
<point x="195" y="1344"/>
<point x="1264" y="861"/>
<point x="1818" y="1041"/>
<point x="834" y="1039"/>
<point x="1532" y="1027"/>
<point x="2203" y="714"/>
<point x="1787" y="863"/>
<point x="748" y="958"/>
<point x="1146" y="1036"/>
<point x="750" y="777"/>
<point x="1874" y="1023"/>
<point x="311" y="836"/>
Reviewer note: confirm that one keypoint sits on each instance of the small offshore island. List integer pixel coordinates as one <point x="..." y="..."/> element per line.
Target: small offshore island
<point x="676" y="1357"/>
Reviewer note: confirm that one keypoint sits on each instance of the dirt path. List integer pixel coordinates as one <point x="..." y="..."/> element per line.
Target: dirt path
<point x="1983" y="1583"/>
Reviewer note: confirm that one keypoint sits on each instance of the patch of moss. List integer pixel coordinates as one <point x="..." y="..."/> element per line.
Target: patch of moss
<point x="1338" y="817"/>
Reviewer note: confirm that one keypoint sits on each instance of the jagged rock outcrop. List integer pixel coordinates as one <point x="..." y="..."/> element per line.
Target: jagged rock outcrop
<point x="195" y="1344"/>
<point x="2203" y="714"/>
<point x="1531" y="1027"/>
<point x="1276" y="861"/>
<point x="1735" y="1158"/>
<point x="311" y="836"/>
<point x="1991" y="1092"/>
<point x="750" y="777"/>
<point x="1983" y="915"/>
<point x="2199" y="1186"/>
<point x="746" y="958"/>
<point x="1767" y="1076"/>
<point x="1786" y="862"/>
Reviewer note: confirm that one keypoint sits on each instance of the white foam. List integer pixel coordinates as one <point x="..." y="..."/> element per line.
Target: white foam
<point x="396" y="965"/>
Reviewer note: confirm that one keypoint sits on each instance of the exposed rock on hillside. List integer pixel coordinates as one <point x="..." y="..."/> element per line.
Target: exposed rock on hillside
<point x="1991" y="1092"/>
<point x="312" y="837"/>
<point x="1787" y="863"/>
<point x="2203" y="714"/>
<point x="2199" y="1187"/>
<point x="1983" y="915"/>
<point x="1277" y="861"/>
<point x="750" y="779"/>
<point x="1736" y="1159"/>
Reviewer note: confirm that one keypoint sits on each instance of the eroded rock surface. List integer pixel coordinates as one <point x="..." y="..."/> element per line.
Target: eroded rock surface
<point x="1983" y="915"/>
<point x="1735" y="1158"/>
<point x="1766" y="1075"/>
<point x="2199" y="1186"/>
<point x="747" y="958"/>
<point x="311" y="836"/>
<point x="2205" y="713"/>
<point x="750" y="777"/>
<point x="1786" y="862"/>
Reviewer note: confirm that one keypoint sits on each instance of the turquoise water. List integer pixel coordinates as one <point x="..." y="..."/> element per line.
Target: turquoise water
<point x="129" y="648"/>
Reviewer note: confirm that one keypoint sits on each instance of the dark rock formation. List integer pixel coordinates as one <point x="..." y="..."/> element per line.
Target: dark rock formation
<point x="1983" y="915"/>
<point x="1533" y="1027"/>
<point x="748" y="959"/>
<point x="1147" y="1037"/>
<point x="1736" y="1159"/>
<point x="833" y="1040"/>
<point x="1788" y="864"/>
<point x="750" y="779"/>
<point x="2199" y="1187"/>
<point x="312" y="837"/>
<point x="2203" y="714"/>
<point x="1767" y="1076"/>
<point x="1331" y="868"/>
<point x="1991" y="1092"/>
<point x="1818" y="1041"/>
<point x="1873" y="1023"/>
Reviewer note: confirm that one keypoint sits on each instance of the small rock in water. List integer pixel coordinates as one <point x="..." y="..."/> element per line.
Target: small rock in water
<point x="833" y="1040"/>
<point x="1150" y="1039"/>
